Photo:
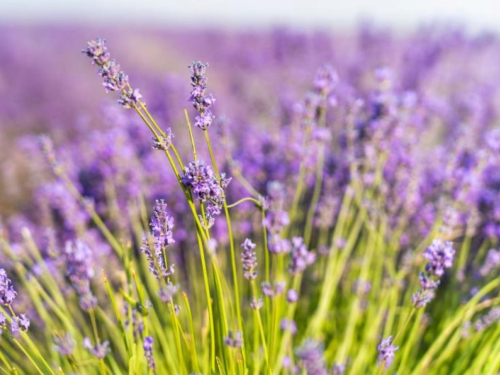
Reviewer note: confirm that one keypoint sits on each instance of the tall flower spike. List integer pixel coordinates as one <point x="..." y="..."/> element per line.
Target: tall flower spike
<point x="114" y="79"/>
<point x="80" y="272"/>
<point x="148" y="352"/>
<point x="200" y="179"/>
<point x="201" y="101"/>
<point x="162" y="225"/>
<point x="7" y="292"/>
<point x="249" y="259"/>
<point x="301" y="258"/>
<point x="440" y="255"/>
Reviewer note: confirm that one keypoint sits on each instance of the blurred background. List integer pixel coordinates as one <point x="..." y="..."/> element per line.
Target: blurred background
<point x="263" y="55"/>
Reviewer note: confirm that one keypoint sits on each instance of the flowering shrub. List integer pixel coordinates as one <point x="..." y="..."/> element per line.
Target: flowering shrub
<point x="346" y="237"/>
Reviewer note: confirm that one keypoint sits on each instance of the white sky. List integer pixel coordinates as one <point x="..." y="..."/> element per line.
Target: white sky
<point x="476" y="14"/>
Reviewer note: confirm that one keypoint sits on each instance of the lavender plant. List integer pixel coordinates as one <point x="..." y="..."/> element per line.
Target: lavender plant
<point x="340" y="241"/>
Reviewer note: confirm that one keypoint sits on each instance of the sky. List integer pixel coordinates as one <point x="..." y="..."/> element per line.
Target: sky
<point x="404" y="14"/>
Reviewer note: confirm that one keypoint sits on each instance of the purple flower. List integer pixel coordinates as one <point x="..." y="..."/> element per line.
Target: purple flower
<point x="200" y="101"/>
<point x="99" y="350"/>
<point x="386" y="352"/>
<point x="422" y="297"/>
<point x="440" y="255"/>
<point x="130" y="98"/>
<point x="301" y="258"/>
<point x="80" y="272"/>
<point x="249" y="259"/>
<point x="292" y="296"/>
<point x="269" y="291"/>
<point x="161" y="225"/>
<point x="234" y="340"/>
<point x="168" y="292"/>
<point x="97" y="51"/>
<point x="256" y="304"/>
<point x="148" y="352"/>
<point x="310" y="353"/>
<point x="7" y="292"/>
<point x="200" y="179"/>
<point x="325" y="80"/>
<point x="288" y="325"/>
<point x="426" y="282"/>
<point x="24" y="322"/>
<point x="113" y="78"/>
<point x="165" y="141"/>
<point x="3" y="320"/>
<point x="64" y="344"/>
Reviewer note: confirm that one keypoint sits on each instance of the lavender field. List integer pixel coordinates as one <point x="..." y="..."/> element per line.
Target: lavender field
<point x="259" y="202"/>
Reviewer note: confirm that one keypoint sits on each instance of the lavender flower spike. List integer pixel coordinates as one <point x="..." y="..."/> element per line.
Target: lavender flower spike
<point x="7" y="292"/>
<point x="440" y="255"/>
<point x="80" y="272"/>
<point x="201" y="101"/>
<point x="162" y="225"/>
<point x="386" y="352"/>
<point x="301" y="258"/>
<point x="148" y="352"/>
<point x="249" y="259"/>
<point x="234" y="340"/>
<point x="114" y="79"/>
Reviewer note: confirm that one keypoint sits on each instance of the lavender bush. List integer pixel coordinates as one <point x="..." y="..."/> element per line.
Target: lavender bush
<point x="342" y="219"/>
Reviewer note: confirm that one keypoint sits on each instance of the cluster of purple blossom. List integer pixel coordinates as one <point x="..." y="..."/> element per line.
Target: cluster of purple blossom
<point x="114" y="78"/>
<point x="200" y="99"/>
<point x="358" y="140"/>
<point x="162" y="225"/>
<point x="15" y="323"/>
<point x="440" y="255"/>
<point x="202" y="182"/>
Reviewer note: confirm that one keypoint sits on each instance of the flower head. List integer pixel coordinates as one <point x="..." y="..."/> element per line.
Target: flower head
<point x="99" y="350"/>
<point x="440" y="255"/>
<point x="114" y="79"/>
<point x="234" y="340"/>
<point x="301" y="258"/>
<point x="80" y="272"/>
<point x="161" y="225"/>
<point x="200" y="100"/>
<point x="249" y="259"/>
<point x="148" y="352"/>
<point x="386" y="351"/>
<point x="7" y="292"/>
<point x="310" y="353"/>
<point x="64" y="344"/>
<point x="201" y="180"/>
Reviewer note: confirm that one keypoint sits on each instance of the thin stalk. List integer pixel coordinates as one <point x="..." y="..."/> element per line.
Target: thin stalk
<point x="231" y="244"/>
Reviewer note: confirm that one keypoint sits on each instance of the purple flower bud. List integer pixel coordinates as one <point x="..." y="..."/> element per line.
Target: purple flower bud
<point x="386" y="352"/>
<point x="80" y="272"/>
<point x="249" y="259"/>
<point x="288" y="325"/>
<point x="148" y="352"/>
<point x="301" y="258"/>
<point x="234" y="340"/>
<point x="7" y="292"/>
<point x="292" y="296"/>
<point x="99" y="351"/>
<point x="256" y="304"/>
<point x="64" y="344"/>
<point x="310" y="354"/>
<point x="440" y="255"/>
